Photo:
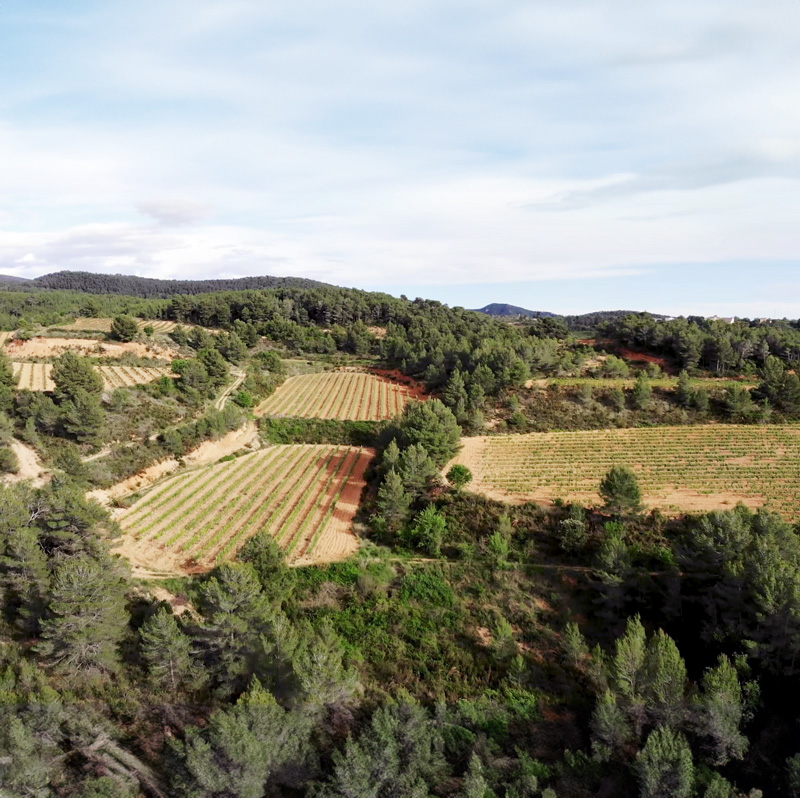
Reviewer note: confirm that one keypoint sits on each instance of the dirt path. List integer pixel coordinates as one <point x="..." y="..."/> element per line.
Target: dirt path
<point x="207" y="452"/>
<point x="240" y="376"/>
<point x="30" y="467"/>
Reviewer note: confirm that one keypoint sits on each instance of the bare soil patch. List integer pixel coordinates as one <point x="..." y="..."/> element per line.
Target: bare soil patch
<point x="53" y="347"/>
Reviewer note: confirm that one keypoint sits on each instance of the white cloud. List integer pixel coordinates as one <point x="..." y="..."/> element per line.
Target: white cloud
<point x="430" y="141"/>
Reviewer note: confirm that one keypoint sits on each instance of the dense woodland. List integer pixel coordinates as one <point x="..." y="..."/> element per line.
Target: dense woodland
<point x="471" y="649"/>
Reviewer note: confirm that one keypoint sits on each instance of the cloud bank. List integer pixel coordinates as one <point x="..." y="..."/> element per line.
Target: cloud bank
<point x="366" y="144"/>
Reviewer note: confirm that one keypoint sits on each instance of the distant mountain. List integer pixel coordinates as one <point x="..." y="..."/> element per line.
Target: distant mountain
<point x="149" y="288"/>
<point x="9" y="278"/>
<point x="500" y="309"/>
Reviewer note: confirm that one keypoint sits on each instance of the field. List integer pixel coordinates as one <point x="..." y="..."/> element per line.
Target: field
<point x="344" y="395"/>
<point x="679" y="468"/>
<point x="123" y="376"/>
<point x="5" y="336"/>
<point x="306" y="496"/>
<point x="34" y="376"/>
<point x="104" y="325"/>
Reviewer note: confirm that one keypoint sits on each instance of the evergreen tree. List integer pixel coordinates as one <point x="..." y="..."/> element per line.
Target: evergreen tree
<point x="167" y="652"/>
<point x="83" y="417"/>
<point x="684" y="390"/>
<point x="86" y="617"/>
<point x="665" y="681"/>
<point x="416" y="469"/>
<point x="642" y="392"/>
<point x="8" y="383"/>
<point x="620" y="491"/>
<point x="240" y="750"/>
<point x="610" y="728"/>
<point x="428" y="529"/>
<point x="431" y="425"/>
<point x="393" y="502"/>
<point x="664" y="766"/>
<point x="459" y="476"/>
<point x="74" y="375"/>
<point x="124" y="328"/>
<point x="720" y="711"/>
<point x="475" y="784"/>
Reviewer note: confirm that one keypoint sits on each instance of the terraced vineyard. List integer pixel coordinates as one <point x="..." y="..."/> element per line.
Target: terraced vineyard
<point x="344" y="395"/>
<point x="104" y="325"/>
<point x="679" y="468"/>
<point x="124" y="376"/>
<point x="34" y="376"/>
<point x="306" y="496"/>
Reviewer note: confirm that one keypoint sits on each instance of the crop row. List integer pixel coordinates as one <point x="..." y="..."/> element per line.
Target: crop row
<point x="354" y="396"/>
<point x="208" y="514"/>
<point x="762" y="463"/>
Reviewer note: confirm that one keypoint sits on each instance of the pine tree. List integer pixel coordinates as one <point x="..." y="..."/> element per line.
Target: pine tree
<point x="684" y="390"/>
<point x="610" y="728"/>
<point x="73" y="374"/>
<point x="8" y="383"/>
<point x="620" y="491"/>
<point x="664" y="766"/>
<point x="167" y="651"/>
<point x="124" y="328"/>
<point x="393" y="502"/>
<point x="720" y="711"/>
<point x="25" y="577"/>
<point x="87" y="617"/>
<point x="416" y="469"/>
<point x="475" y="784"/>
<point x="642" y="392"/>
<point x="664" y="681"/>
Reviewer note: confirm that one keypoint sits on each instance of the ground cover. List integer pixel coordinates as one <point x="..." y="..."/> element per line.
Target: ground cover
<point x="692" y="468"/>
<point x="306" y="496"/>
<point x="342" y="395"/>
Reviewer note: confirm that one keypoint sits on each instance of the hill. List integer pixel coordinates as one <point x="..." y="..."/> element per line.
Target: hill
<point x="10" y="278"/>
<point x="150" y="288"/>
<point x="502" y="309"/>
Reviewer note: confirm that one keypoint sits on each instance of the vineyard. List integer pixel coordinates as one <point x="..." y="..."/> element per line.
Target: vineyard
<point x="104" y="325"/>
<point x="306" y="496"/>
<point x="124" y="376"/>
<point x="36" y="376"/>
<point x="343" y="395"/>
<point x="679" y="468"/>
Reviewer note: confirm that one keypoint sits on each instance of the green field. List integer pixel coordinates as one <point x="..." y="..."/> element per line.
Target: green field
<point x="679" y="468"/>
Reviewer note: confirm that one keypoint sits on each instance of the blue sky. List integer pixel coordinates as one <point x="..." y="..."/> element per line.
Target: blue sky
<point x="568" y="156"/>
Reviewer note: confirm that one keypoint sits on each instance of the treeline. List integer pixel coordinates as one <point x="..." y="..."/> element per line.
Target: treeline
<point x="717" y="346"/>
<point x="150" y="288"/>
<point x="462" y="354"/>
<point x="23" y="308"/>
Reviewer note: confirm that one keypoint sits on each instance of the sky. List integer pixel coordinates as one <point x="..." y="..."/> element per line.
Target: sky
<point x="561" y="155"/>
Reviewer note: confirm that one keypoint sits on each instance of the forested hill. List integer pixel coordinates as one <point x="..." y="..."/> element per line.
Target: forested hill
<point x="502" y="309"/>
<point x="149" y="288"/>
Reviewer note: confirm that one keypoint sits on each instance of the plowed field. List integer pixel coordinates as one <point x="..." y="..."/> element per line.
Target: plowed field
<point x="344" y="395"/>
<point x="680" y="469"/>
<point x="306" y="496"/>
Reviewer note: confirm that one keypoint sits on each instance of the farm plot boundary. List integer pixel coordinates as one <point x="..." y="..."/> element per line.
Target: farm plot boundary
<point x="305" y="495"/>
<point x="680" y="469"/>
<point x="340" y="395"/>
